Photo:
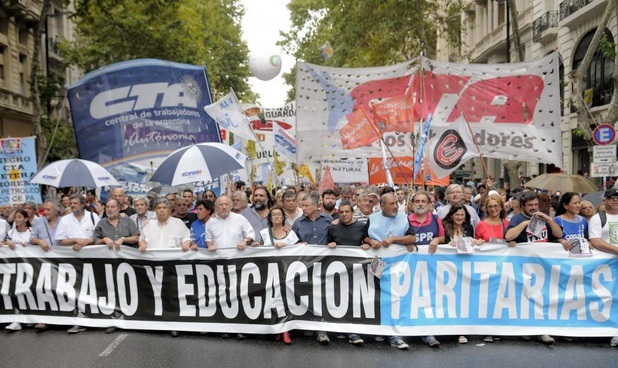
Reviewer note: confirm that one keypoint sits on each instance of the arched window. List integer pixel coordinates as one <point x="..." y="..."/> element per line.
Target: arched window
<point x="597" y="80"/>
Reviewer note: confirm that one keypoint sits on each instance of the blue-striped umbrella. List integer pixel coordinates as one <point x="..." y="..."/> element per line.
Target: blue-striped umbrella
<point x="199" y="162"/>
<point x="74" y="173"/>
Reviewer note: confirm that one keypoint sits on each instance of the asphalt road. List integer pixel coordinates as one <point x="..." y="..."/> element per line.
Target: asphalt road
<point x="95" y="348"/>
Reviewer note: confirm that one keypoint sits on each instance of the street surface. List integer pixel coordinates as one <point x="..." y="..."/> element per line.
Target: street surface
<point x="95" y="348"/>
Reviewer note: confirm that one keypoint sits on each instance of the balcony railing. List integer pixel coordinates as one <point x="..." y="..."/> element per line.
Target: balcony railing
<point x="544" y="22"/>
<point x="52" y="44"/>
<point x="569" y="7"/>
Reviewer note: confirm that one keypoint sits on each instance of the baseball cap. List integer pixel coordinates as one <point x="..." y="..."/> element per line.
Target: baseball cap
<point x="612" y="192"/>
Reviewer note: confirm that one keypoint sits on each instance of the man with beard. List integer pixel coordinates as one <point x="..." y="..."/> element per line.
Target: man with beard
<point x="386" y="228"/>
<point x="182" y="212"/>
<point x="239" y="201"/>
<point x="329" y="201"/>
<point x="290" y="208"/>
<point x="257" y="214"/>
<point x="517" y="231"/>
<point x="427" y="227"/>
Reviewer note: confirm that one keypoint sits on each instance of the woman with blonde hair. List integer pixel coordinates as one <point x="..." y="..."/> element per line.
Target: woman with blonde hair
<point x="586" y="209"/>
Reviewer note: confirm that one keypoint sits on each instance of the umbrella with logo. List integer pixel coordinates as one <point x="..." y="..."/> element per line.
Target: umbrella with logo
<point x="74" y="173"/>
<point x="563" y="183"/>
<point x="199" y="162"/>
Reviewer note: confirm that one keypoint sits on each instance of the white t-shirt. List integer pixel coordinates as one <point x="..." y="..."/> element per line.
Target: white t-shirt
<point x="609" y="232"/>
<point x="4" y="228"/>
<point x="290" y="238"/>
<point x="18" y="237"/>
<point x="228" y="232"/>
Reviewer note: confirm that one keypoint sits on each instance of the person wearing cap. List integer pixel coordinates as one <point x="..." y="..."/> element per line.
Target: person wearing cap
<point x="601" y="237"/>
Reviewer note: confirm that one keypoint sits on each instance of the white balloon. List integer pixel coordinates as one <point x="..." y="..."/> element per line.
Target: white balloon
<point x="265" y="67"/>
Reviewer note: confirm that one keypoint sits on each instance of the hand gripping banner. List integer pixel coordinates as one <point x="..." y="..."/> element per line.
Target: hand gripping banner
<point x="524" y="290"/>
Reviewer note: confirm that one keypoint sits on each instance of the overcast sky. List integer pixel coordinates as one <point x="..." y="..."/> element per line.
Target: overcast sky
<point x="261" y="25"/>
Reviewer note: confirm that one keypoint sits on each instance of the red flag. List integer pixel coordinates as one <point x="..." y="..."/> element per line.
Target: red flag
<point x="358" y="132"/>
<point x="327" y="181"/>
<point x="395" y="114"/>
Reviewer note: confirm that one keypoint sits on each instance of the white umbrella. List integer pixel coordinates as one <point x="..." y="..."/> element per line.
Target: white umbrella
<point x="199" y="162"/>
<point x="74" y="173"/>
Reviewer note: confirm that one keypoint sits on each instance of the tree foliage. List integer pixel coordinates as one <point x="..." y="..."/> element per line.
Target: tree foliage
<point x="185" y="31"/>
<point x="366" y="33"/>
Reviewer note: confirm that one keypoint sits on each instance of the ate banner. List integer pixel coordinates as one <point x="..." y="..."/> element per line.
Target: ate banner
<point x="139" y="111"/>
<point x="530" y="289"/>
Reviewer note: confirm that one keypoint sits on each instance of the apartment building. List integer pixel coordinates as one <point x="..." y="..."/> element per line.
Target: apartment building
<point x="18" y="20"/>
<point x="565" y="26"/>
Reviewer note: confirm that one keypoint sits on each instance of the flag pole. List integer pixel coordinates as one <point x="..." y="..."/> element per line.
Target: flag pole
<point x="255" y="136"/>
<point x="384" y="143"/>
<point x="477" y="147"/>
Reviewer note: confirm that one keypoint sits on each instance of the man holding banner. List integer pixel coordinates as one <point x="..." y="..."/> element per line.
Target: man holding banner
<point x="44" y="228"/>
<point x="390" y="227"/>
<point x="77" y="230"/>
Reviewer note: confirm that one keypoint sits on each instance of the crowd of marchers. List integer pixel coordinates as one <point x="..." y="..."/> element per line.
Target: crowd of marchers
<point x="358" y="215"/>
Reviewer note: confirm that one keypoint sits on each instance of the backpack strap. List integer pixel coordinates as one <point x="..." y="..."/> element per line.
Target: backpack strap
<point x="603" y="217"/>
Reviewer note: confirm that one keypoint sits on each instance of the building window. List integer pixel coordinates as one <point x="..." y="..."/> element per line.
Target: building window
<point x="4" y="25"/>
<point x="597" y="80"/>
<point x="23" y="36"/>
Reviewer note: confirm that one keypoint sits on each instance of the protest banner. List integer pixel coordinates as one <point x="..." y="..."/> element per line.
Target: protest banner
<point x="513" y="109"/>
<point x="18" y="166"/>
<point x="499" y="290"/>
<point x="139" y="111"/>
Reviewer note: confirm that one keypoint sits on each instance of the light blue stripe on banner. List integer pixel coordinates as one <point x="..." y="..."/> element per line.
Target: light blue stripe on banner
<point x="430" y="290"/>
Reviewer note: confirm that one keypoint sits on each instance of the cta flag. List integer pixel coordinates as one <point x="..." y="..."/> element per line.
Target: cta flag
<point x="450" y="149"/>
<point x="135" y="113"/>
<point x="228" y="113"/>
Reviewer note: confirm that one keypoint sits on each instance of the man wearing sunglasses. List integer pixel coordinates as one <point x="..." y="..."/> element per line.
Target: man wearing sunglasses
<point x="602" y="229"/>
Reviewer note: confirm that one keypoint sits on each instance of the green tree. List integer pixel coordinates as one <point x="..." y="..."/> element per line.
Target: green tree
<point x="367" y="33"/>
<point x="185" y="31"/>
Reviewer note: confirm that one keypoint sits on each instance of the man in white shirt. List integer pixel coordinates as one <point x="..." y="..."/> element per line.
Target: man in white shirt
<point x="76" y="229"/>
<point x="601" y="229"/>
<point x="164" y="232"/>
<point x="228" y="229"/>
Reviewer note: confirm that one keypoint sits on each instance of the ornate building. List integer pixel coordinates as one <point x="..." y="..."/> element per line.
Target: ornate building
<point x="544" y="26"/>
<point x="18" y="19"/>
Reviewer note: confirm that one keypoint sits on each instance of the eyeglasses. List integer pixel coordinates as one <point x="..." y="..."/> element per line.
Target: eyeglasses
<point x="614" y="197"/>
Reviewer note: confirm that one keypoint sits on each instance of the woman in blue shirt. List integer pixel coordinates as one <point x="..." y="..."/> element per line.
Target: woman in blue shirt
<point x="567" y="217"/>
